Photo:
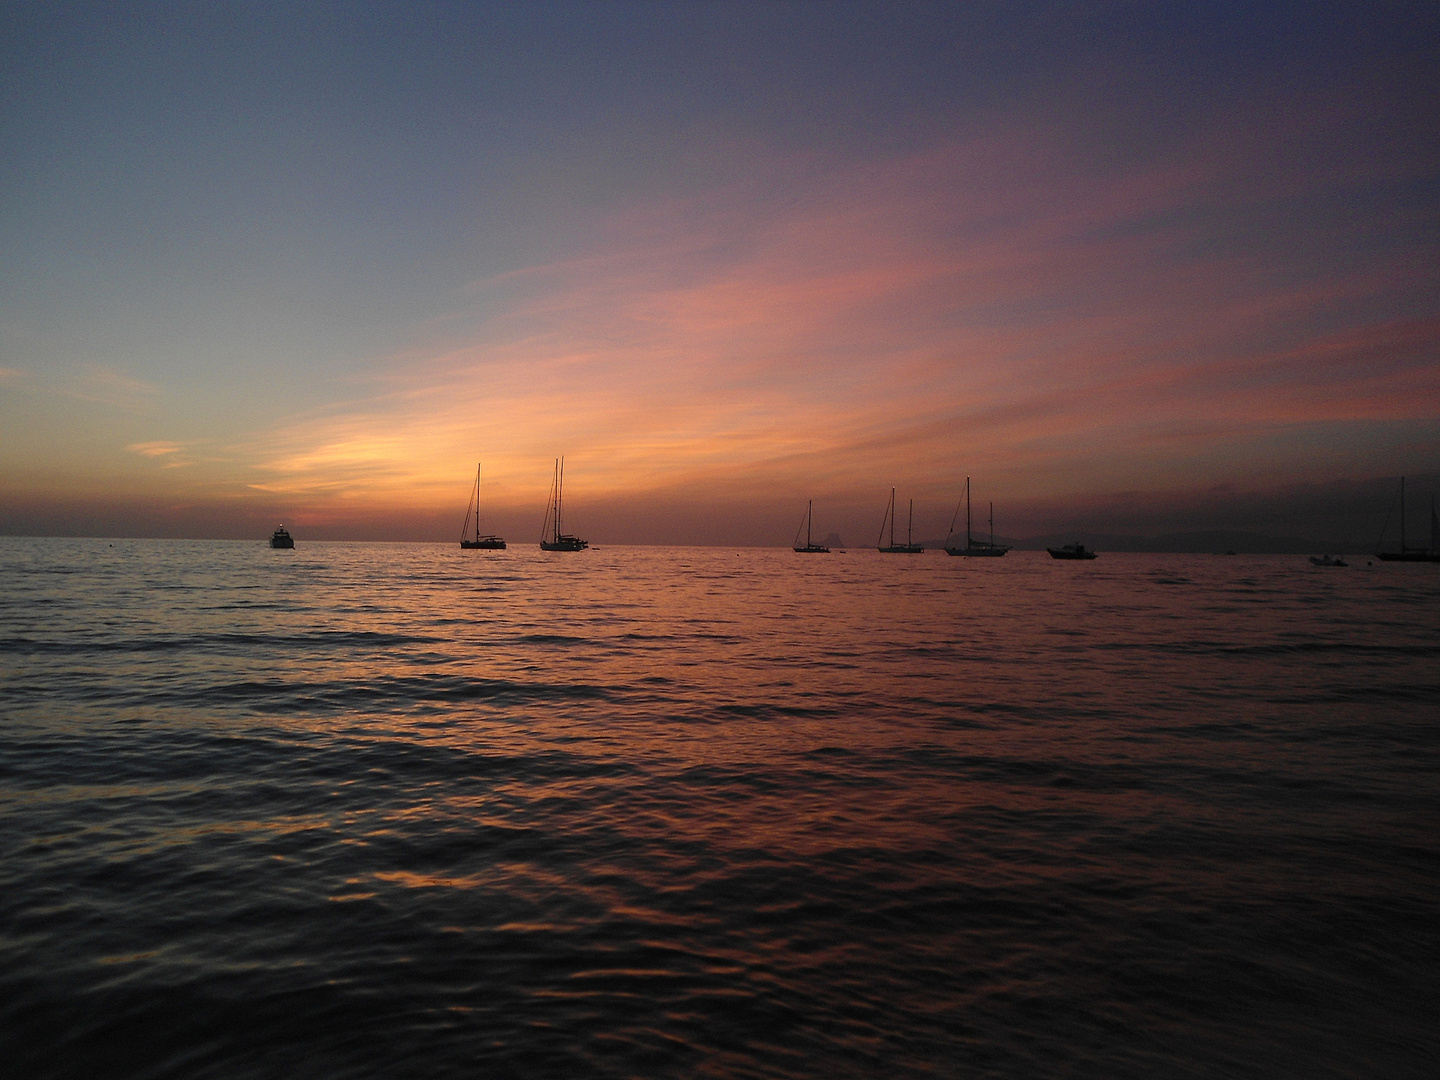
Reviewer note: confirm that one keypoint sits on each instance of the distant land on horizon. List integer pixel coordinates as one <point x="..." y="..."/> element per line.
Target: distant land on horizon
<point x="1214" y="541"/>
<point x="1211" y="542"/>
<point x="1204" y="542"/>
<point x="1339" y="516"/>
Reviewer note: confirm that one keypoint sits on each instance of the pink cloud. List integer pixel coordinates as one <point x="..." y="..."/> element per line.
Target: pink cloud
<point x="1013" y="302"/>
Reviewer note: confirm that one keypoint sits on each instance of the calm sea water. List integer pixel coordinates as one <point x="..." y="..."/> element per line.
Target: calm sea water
<point x="365" y="810"/>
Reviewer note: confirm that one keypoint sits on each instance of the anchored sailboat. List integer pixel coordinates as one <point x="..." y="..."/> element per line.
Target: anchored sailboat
<point x="974" y="548"/>
<point x="1417" y="554"/>
<point x="907" y="548"/>
<point x="552" y="539"/>
<point x="489" y="543"/>
<point x="809" y="548"/>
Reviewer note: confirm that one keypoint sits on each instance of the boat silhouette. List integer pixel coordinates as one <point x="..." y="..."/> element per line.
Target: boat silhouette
<point x="809" y="548"/>
<point x="1406" y="553"/>
<point x="907" y="548"/>
<point x="1071" y="551"/>
<point x="552" y="538"/>
<point x="489" y="543"/>
<point x="974" y="548"/>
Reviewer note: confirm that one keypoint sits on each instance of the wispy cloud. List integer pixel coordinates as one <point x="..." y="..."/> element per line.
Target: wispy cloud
<point x="1012" y="303"/>
<point x="103" y="385"/>
<point x="155" y="449"/>
<point x="168" y="455"/>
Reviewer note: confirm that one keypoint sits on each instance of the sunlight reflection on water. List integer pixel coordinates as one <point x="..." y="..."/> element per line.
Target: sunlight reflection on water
<point x="669" y="811"/>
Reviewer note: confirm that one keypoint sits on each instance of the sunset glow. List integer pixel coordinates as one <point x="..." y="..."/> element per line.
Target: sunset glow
<point x="1099" y="282"/>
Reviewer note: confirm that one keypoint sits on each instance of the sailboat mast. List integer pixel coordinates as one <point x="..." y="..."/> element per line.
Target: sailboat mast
<point x="477" y="502"/>
<point x="968" y="542"/>
<point x="1402" y="513"/>
<point x="554" y="481"/>
<point x="809" y="517"/>
<point x="892" y="517"/>
<point x="910" y="526"/>
<point x="992" y="524"/>
<point x="559" y="496"/>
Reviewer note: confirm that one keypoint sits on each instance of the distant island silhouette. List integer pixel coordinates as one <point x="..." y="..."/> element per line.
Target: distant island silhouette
<point x="1212" y="541"/>
<point x="1203" y="542"/>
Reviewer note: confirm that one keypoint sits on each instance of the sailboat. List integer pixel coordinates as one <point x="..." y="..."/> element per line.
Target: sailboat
<point x="1409" y="554"/>
<point x="489" y="543"/>
<point x="809" y="548"/>
<point x="907" y="548"/>
<point x="974" y="548"/>
<point x="551" y="538"/>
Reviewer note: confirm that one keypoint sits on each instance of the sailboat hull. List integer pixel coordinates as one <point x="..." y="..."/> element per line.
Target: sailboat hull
<point x="1407" y="556"/>
<point x="978" y="552"/>
<point x="485" y="543"/>
<point x="903" y="549"/>
<point x="564" y="543"/>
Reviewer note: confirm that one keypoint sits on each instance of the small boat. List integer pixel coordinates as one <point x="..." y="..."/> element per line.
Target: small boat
<point x="974" y="548"/>
<point x="281" y="539"/>
<point x="1326" y="560"/>
<point x="809" y="548"/>
<point x="1406" y="553"/>
<point x="487" y="543"/>
<point x="552" y="538"/>
<point x="907" y="548"/>
<point x="1071" y="551"/>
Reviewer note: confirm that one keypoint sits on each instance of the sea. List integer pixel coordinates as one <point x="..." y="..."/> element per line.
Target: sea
<point x="384" y="810"/>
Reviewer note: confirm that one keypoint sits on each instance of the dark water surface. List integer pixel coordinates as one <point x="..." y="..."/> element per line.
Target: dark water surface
<point x="389" y="810"/>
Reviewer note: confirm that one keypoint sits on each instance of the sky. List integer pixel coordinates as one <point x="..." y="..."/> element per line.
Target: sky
<point x="1129" y="266"/>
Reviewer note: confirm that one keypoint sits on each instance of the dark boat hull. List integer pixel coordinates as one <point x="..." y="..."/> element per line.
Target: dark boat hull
<point x="1407" y="556"/>
<point x="485" y="543"/>
<point x="902" y="549"/>
<point x="813" y="549"/>
<point x="282" y="540"/>
<point x="978" y="552"/>
<point x="1070" y="553"/>
<point x="564" y="543"/>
